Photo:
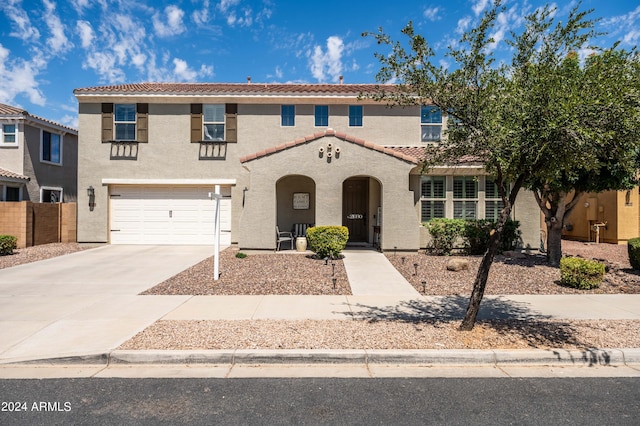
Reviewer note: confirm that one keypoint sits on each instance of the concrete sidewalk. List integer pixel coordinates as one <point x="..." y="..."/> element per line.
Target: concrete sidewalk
<point x="82" y="307"/>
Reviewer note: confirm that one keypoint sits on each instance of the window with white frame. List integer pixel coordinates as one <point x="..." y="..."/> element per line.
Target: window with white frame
<point x="321" y="115"/>
<point x="8" y="134"/>
<point x="51" y="147"/>
<point x="433" y="197"/>
<point x="288" y="115"/>
<point x="213" y="122"/>
<point x="492" y="200"/>
<point x="430" y="123"/>
<point x="50" y="195"/>
<point x="355" y="115"/>
<point x="465" y="197"/>
<point x="125" y="122"/>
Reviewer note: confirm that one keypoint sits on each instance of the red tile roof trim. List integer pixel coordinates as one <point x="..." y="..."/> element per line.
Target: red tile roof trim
<point x="331" y="133"/>
<point x="9" y="174"/>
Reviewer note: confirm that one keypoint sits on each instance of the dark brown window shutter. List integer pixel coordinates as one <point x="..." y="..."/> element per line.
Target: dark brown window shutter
<point x="231" y="122"/>
<point x="196" y="122"/>
<point x="107" y="122"/>
<point x="142" y="122"/>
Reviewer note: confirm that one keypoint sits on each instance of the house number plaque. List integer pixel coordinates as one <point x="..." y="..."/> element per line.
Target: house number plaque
<point x="355" y="216"/>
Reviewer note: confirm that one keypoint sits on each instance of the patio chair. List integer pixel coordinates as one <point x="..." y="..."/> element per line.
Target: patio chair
<point x="283" y="236"/>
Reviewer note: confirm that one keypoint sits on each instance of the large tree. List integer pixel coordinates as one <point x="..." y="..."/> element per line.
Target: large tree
<point x="523" y="118"/>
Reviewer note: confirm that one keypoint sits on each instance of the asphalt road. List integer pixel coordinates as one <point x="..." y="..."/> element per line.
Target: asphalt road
<point x="539" y="401"/>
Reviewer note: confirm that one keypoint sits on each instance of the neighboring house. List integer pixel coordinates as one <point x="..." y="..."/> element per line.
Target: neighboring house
<point x="38" y="158"/>
<point x="609" y="217"/>
<point x="151" y="156"/>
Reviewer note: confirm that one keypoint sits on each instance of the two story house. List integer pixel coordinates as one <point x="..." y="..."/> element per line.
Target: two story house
<point x="38" y="158"/>
<point x="153" y="155"/>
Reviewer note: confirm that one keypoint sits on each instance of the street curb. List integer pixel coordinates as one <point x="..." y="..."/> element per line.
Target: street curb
<point x="426" y="357"/>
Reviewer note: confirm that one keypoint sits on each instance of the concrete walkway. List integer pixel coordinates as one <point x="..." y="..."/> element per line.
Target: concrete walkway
<point x="371" y="274"/>
<point x="86" y="304"/>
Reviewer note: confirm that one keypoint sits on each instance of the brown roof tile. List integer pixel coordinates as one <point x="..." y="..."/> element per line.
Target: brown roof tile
<point x="9" y="174"/>
<point x="331" y="133"/>
<point x="229" y="89"/>
<point x="10" y="111"/>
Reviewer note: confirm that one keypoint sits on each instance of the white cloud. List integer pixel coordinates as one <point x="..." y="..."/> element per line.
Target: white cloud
<point x="225" y="5"/>
<point x="625" y="27"/>
<point x="19" y="78"/>
<point x="58" y="42"/>
<point x="463" y="24"/>
<point x="80" y="5"/>
<point x="86" y="33"/>
<point x="173" y="25"/>
<point x="201" y="16"/>
<point x="479" y="6"/>
<point x="431" y="13"/>
<point x="242" y="17"/>
<point x="329" y="62"/>
<point x="22" y="27"/>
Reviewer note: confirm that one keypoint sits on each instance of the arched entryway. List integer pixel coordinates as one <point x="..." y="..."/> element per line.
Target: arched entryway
<point x="361" y="209"/>
<point x="295" y="202"/>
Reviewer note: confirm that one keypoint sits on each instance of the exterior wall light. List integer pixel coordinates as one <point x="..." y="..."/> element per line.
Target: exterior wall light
<point x="91" y="193"/>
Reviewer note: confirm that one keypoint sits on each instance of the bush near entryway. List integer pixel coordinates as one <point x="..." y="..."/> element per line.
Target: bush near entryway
<point x="633" y="248"/>
<point x="580" y="273"/>
<point x="8" y="244"/>
<point x="327" y="241"/>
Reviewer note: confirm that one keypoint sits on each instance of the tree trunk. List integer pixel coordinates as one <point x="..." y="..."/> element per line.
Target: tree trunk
<point x="554" y="241"/>
<point x="483" y="273"/>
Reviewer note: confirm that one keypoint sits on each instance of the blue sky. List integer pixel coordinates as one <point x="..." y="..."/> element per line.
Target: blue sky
<point x="50" y="47"/>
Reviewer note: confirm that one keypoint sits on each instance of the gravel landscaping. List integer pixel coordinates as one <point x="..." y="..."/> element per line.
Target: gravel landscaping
<point x="297" y="273"/>
<point x="288" y="273"/>
<point x="294" y="273"/>
<point x="41" y="252"/>
<point x="362" y="334"/>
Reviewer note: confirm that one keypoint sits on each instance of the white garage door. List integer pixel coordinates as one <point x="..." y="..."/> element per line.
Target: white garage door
<point x="167" y="215"/>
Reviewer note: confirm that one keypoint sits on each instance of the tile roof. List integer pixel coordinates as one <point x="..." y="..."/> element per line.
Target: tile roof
<point x="10" y="111"/>
<point x="420" y="154"/>
<point x="330" y="132"/>
<point x="237" y="89"/>
<point x="9" y="174"/>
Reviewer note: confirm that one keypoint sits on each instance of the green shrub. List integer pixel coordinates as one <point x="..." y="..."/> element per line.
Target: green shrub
<point x="472" y="234"/>
<point x="8" y="244"/>
<point x="241" y="255"/>
<point x="581" y="273"/>
<point x="327" y="241"/>
<point x="444" y="234"/>
<point x="476" y="235"/>
<point x="633" y="248"/>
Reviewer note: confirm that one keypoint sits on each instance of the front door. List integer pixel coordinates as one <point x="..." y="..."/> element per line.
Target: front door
<point x="355" y="200"/>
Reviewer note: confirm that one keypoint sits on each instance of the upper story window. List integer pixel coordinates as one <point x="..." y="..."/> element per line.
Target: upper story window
<point x="288" y="115"/>
<point x="322" y="115"/>
<point x="433" y="197"/>
<point x="125" y="122"/>
<point x="431" y="123"/>
<point x="8" y="134"/>
<point x="355" y="115"/>
<point x="465" y="197"/>
<point x="213" y="122"/>
<point x="51" y="147"/>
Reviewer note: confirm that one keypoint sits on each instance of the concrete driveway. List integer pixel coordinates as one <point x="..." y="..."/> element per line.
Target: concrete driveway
<point x="86" y="302"/>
